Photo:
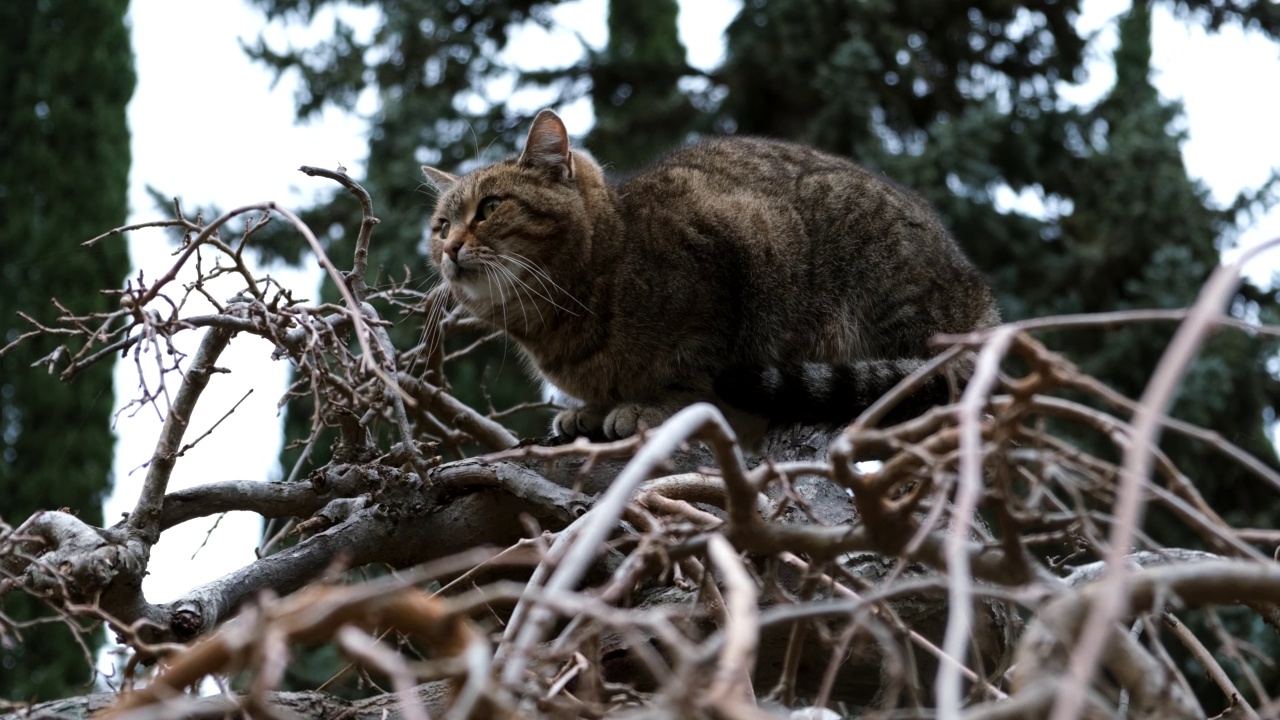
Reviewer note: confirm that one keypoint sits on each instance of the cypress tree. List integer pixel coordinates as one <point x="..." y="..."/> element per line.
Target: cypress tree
<point x="1143" y="234"/>
<point x="66" y="75"/>
<point x="639" y="106"/>
<point x="960" y="100"/>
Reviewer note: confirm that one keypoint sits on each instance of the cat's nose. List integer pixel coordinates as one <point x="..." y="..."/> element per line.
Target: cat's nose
<point x="451" y="248"/>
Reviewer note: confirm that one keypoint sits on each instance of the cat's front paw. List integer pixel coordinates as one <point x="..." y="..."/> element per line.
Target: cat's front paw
<point x="579" y="421"/>
<point x="626" y="419"/>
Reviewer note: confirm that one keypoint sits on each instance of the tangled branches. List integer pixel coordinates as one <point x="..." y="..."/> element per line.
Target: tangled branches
<point x="985" y="559"/>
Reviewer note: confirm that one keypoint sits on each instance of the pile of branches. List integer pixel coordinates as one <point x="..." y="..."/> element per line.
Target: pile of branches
<point x="977" y="561"/>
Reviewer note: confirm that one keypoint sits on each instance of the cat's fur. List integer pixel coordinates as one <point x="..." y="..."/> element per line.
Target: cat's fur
<point x="760" y="275"/>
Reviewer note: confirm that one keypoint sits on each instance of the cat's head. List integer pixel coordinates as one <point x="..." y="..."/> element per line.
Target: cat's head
<point x="512" y="239"/>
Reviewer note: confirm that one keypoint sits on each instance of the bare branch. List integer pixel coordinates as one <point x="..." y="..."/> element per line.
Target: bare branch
<point x="1153" y="404"/>
<point x="145" y="518"/>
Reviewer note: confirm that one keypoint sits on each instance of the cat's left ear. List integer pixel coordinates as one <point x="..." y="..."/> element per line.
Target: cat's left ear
<point x="441" y="179"/>
<point x="547" y="147"/>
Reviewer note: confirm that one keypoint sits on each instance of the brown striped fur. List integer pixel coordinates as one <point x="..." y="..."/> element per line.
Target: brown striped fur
<point x="729" y="271"/>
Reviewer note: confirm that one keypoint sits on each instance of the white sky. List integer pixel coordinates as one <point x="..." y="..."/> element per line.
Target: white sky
<point x="209" y="126"/>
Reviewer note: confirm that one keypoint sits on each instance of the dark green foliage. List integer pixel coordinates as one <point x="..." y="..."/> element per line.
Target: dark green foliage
<point x="850" y="76"/>
<point x="1143" y="234"/>
<point x="639" y="107"/>
<point x="957" y="100"/>
<point x="427" y="57"/>
<point x="66" y="74"/>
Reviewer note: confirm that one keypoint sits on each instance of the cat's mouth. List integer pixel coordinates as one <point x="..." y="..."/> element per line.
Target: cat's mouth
<point x="462" y="269"/>
<point x="457" y="274"/>
<point x="473" y="288"/>
<point x="481" y="282"/>
<point x="451" y="270"/>
<point x="512" y="286"/>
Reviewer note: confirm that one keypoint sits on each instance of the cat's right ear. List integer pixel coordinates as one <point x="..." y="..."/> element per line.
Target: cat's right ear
<point x="547" y="147"/>
<point x="439" y="178"/>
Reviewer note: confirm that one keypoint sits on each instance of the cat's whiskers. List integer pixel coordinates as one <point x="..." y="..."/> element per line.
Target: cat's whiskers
<point x="502" y="298"/>
<point x="486" y="265"/>
<point x="516" y="284"/>
<point x="490" y="265"/>
<point x="538" y="275"/>
<point x="534" y="268"/>
<point x="545" y="294"/>
<point x="431" y="331"/>
<point x="541" y="274"/>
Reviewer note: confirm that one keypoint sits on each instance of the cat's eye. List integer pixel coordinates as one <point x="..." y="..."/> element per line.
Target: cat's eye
<point x="444" y="228"/>
<point x="487" y="206"/>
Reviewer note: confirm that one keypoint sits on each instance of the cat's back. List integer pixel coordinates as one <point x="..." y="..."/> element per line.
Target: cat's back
<point x="806" y="250"/>
<point x="745" y="159"/>
<point x="818" y="187"/>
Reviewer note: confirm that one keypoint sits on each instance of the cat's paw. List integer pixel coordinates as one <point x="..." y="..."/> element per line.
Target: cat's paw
<point x="579" y="421"/>
<point x="627" y="418"/>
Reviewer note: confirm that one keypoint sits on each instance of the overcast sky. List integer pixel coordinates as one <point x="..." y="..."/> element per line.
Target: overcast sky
<point x="210" y="127"/>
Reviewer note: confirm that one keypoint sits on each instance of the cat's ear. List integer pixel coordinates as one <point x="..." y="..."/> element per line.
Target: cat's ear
<point x="547" y="147"/>
<point x="441" y="179"/>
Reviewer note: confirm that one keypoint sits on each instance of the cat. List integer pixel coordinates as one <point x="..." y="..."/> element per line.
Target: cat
<point x="779" y="282"/>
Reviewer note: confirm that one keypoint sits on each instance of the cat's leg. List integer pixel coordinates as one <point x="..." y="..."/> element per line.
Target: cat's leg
<point x="627" y="419"/>
<point x="617" y="421"/>
<point x="585" y="421"/>
<point x="577" y="419"/>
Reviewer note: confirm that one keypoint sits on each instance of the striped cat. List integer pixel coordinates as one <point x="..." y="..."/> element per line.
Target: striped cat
<point x="781" y="283"/>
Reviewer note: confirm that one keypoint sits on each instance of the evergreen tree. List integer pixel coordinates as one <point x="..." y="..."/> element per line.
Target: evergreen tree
<point x="1143" y="234"/>
<point x="959" y="100"/>
<point x="66" y="75"/>
<point x="427" y="63"/>
<point x="639" y="106"/>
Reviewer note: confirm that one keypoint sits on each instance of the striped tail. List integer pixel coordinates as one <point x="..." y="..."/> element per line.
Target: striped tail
<point x="820" y="393"/>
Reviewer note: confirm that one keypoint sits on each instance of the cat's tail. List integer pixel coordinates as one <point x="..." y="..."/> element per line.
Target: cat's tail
<point x="821" y="393"/>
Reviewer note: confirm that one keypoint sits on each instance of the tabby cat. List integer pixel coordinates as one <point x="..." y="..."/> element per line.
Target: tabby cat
<point x="779" y="282"/>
